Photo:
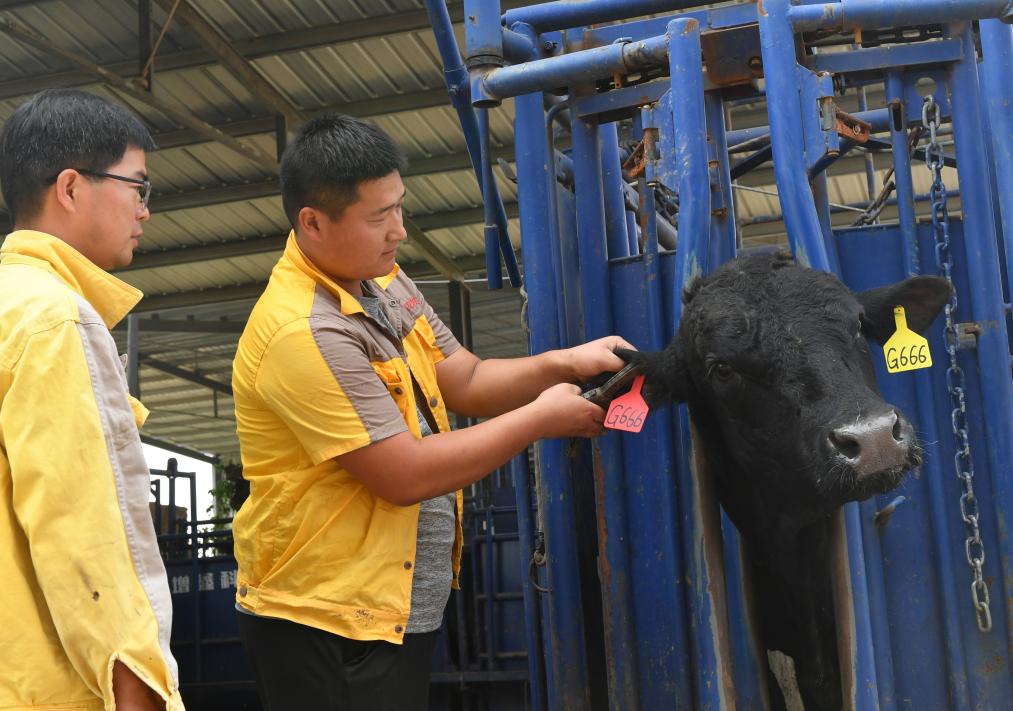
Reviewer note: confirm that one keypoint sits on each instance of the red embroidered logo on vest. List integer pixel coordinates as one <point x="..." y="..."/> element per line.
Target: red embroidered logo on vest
<point x="412" y="304"/>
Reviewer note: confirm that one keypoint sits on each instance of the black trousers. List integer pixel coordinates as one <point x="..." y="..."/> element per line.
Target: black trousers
<point x="300" y="668"/>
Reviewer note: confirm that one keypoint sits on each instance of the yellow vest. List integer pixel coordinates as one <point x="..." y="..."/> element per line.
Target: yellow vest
<point x="314" y="377"/>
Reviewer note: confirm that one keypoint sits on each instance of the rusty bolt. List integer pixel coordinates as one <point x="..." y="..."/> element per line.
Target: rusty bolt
<point x="755" y="63"/>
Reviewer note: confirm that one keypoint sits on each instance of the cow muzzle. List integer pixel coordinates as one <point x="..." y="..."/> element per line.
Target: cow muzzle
<point x="874" y="444"/>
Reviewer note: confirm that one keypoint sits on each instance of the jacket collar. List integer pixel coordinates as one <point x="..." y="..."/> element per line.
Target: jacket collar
<point x="349" y="304"/>
<point x="109" y="296"/>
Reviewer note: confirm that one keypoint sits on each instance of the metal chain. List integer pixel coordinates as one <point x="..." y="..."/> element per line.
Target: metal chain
<point x="955" y="382"/>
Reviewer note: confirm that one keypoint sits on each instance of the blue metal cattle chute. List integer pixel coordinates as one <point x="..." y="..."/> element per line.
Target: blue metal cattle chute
<point x="621" y="141"/>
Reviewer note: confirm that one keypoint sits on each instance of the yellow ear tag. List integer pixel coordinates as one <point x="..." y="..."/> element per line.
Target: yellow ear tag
<point x="905" y="350"/>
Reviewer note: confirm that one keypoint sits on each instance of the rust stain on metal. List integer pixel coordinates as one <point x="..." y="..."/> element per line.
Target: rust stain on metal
<point x="637" y="162"/>
<point x="604" y="569"/>
<point x="845" y="619"/>
<point x="851" y="127"/>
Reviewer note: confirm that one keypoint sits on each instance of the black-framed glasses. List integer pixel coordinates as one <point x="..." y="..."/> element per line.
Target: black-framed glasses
<point x="144" y="193"/>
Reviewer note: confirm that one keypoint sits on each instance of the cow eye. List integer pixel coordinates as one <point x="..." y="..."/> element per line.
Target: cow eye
<point x="722" y="371"/>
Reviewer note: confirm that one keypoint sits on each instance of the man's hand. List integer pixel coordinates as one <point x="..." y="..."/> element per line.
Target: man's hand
<point x="591" y="359"/>
<point x="563" y="412"/>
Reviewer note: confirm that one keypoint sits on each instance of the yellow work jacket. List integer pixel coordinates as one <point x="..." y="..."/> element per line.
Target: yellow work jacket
<point x="83" y="583"/>
<point x="315" y="377"/>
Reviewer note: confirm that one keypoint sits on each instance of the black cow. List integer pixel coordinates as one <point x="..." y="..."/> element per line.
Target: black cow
<point x="773" y="361"/>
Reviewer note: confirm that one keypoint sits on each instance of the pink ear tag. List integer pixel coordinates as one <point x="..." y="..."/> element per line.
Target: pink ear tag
<point x="628" y="412"/>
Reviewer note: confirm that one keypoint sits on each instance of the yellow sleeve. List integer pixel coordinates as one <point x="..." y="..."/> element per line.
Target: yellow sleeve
<point x="80" y="494"/>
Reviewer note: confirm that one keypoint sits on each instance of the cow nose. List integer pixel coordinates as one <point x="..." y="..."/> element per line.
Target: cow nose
<point x="875" y="443"/>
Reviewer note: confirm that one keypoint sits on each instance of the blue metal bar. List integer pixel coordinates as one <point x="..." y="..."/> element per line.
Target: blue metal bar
<point x="662" y="628"/>
<point x="518" y="468"/>
<point x="631" y="232"/>
<point x="565" y="656"/>
<point x="782" y="75"/>
<point x="489" y="583"/>
<point x="870" y="161"/>
<point x="690" y="128"/>
<point x="564" y="14"/>
<point x="997" y="72"/>
<point x="765" y="219"/>
<point x="871" y="14"/>
<point x="878" y="118"/>
<point x="615" y="202"/>
<point x="821" y="199"/>
<point x="517" y="47"/>
<point x="709" y="18"/>
<point x="902" y="171"/>
<point x="894" y="57"/>
<point x="690" y="141"/>
<point x="613" y="565"/>
<point x="456" y="78"/>
<point x="491" y="87"/>
<point x="483" y="35"/>
<point x="986" y="300"/>
<point x="927" y="427"/>
<point x="722" y="239"/>
<point x="493" y="266"/>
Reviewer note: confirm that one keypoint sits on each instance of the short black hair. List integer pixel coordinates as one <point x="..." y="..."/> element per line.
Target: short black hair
<point x="59" y="129"/>
<point x="329" y="158"/>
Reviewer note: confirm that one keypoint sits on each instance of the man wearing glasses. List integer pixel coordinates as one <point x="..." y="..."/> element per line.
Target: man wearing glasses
<point x="86" y="610"/>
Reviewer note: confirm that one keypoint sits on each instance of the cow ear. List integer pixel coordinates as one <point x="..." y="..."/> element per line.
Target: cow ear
<point x="666" y="378"/>
<point x="922" y="297"/>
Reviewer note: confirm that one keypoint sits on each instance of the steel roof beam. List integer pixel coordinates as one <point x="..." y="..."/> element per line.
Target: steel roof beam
<point x="252" y="290"/>
<point x="382" y="106"/>
<point x="132" y="89"/>
<point x="269" y="45"/>
<point x="186" y="374"/>
<point x="222" y="50"/>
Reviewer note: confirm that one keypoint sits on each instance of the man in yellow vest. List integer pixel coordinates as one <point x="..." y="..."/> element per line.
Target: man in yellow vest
<point x="350" y="541"/>
<point x="85" y="613"/>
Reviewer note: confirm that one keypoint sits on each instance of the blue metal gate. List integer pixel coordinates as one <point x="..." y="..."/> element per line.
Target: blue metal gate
<point x="643" y="605"/>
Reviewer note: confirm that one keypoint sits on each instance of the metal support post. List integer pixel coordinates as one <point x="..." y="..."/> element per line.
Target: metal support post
<point x="518" y="467"/>
<point x="567" y="680"/>
<point x="493" y="265"/>
<point x="902" y="170"/>
<point x="997" y="71"/>
<point x="617" y="597"/>
<point x="986" y="300"/>
<point x="456" y="78"/>
<point x="615" y="203"/>
<point x="782" y="75"/>
<point x="722" y="240"/>
<point x="483" y="36"/>
<point x="690" y="142"/>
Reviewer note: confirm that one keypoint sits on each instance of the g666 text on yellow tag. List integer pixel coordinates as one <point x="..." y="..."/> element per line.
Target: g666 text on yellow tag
<point x="905" y="350"/>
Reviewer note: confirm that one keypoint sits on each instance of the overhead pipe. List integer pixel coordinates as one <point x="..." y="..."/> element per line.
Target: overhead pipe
<point x="456" y="77"/>
<point x="490" y="86"/>
<point x="565" y="14"/>
<point x="848" y="15"/>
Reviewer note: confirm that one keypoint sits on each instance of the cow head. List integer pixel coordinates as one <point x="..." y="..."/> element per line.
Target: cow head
<point x="773" y="361"/>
